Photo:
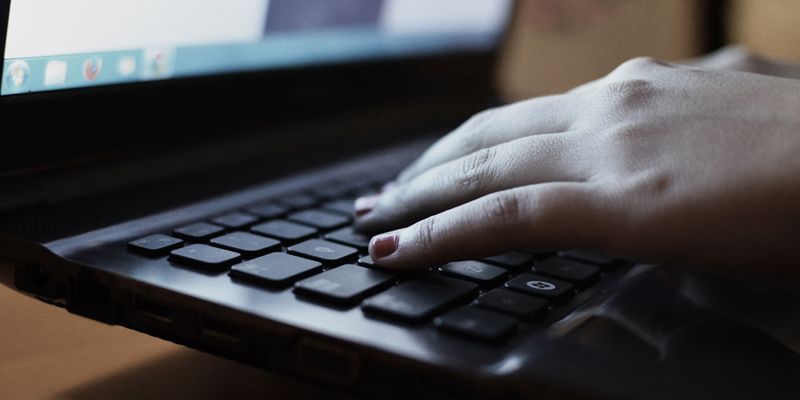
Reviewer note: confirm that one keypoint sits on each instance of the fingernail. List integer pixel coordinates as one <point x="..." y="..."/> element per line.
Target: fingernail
<point x="383" y="246"/>
<point x="364" y="205"/>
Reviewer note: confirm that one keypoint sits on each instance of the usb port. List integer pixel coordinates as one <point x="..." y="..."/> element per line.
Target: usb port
<point x="220" y="331"/>
<point x="151" y="309"/>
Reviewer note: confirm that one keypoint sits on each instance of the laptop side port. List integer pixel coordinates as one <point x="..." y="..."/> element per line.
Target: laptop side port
<point x="328" y="362"/>
<point x="150" y="309"/>
<point x="221" y="332"/>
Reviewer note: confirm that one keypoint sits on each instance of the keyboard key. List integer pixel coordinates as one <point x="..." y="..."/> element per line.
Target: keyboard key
<point x="198" y="232"/>
<point x="475" y="271"/>
<point x="367" y="262"/>
<point x="346" y="206"/>
<point x="589" y="256"/>
<point x="331" y="190"/>
<point x="541" y="286"/>
<point x="476" y="323"/>
<point x="235" y="220"/>
<point x="419" y="299"/>
<point x="344" y="285"/>
<point x="323" y="251"/>
<point x="349" y="236"/>
<point x="513" y="303"/>
<point x="320" y="219"/>
<point x="296" y="201"/>
<point x="155" y="245"/>
<point x="202" y="256"/>
<point x="247" y="244"/>
<point x="268" y="210"/>
<point x="284" y="231"/>
<point x="276" y="269"/>
<point x="513" y="260"/>
<point x="567" y="270"/>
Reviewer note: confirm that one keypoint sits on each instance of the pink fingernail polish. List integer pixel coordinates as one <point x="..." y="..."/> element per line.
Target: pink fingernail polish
<point x="365" y="204"/>
<point x="384" y="245"/>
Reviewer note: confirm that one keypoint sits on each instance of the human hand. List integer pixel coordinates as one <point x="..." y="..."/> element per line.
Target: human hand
<point x="655" y="162"/>
<point x="737" y="58"/>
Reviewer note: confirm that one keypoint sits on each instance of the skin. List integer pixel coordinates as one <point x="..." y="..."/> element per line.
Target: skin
<point x="695" y="165"/>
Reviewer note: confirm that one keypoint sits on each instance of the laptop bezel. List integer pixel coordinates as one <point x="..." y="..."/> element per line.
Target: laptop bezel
<point x="66" y="126"/>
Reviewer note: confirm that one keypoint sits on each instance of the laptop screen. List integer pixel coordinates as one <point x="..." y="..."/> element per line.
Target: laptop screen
<point x="62" y="44"/>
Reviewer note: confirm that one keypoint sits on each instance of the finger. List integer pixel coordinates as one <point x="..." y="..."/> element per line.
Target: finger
<point x="541" y="217"/>
<point x="522" y="162"/>
<point x="492" y="127"/>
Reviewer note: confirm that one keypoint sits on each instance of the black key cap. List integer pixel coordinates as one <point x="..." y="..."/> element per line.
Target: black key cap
<point x="568" y="270"/>
<point x="331" y="190"/>
<point x="367" y="262"/>
<point x="419" y="299"/>
<point x="475" y="271"/>
<point x="513" y="260"/>
<point x="198" y="232"/>
<point x="589" y="256"/>
<point x="350" y="237"/>
<point x="247" y="244"/>
<point x="323" y="251"/>
<point x="321" y="219"/>
<point x="276" y="269"/>
<point x="476" y="323"/>
<point x="513" y="303"/>
<point x="284" y="230"/>
<point x="541" y="286"/>
<point x="202" y="256"/>
<point x="268" y="210"/>
<point x="296" y="201"/>
<point x="346" y="207"/>
<point x="235" y="220"/>
<point x="155" y="245"/>
<point x="344" y="285"/>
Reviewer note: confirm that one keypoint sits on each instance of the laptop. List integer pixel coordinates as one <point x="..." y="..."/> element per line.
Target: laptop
<point x="187" y="169"/>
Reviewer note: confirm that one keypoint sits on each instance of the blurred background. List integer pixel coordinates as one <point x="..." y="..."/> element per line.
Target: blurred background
<point x="554" y="45"/>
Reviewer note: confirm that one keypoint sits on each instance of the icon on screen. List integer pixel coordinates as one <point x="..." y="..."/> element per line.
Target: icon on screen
<point x="18" y="75"/>
<point x="92" y="68"/>
<point x="55" y="73"/>
<point x="158" y="64"/>
<point x="126" y="66"/>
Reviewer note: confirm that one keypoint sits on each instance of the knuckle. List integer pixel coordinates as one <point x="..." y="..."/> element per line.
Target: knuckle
<point x="619" y="99"/>
<point x="425" y="234"/>
<point x="630" y="92"/>
<point x="638" y="65"/>
<point x="476" y="169"/>
<point x="503" y="209"/>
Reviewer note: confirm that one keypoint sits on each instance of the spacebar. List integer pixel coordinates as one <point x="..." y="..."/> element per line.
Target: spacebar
<point x="419" y="299"/>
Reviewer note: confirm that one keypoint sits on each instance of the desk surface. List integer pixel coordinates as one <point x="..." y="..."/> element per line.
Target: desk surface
<point x="47" y="353"/>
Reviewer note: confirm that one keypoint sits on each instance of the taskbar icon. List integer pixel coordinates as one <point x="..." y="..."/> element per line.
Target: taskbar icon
<point x="17" y="76"/>
<point x="158" y="63"/>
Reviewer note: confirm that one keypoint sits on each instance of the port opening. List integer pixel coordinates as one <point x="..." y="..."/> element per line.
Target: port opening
<point x="152" y="309"/>
<point x="220" y="330"/>
<point x="328" y="362"/>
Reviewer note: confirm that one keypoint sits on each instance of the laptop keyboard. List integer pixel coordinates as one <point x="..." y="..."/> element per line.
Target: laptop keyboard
<point x="305" y="242"/>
